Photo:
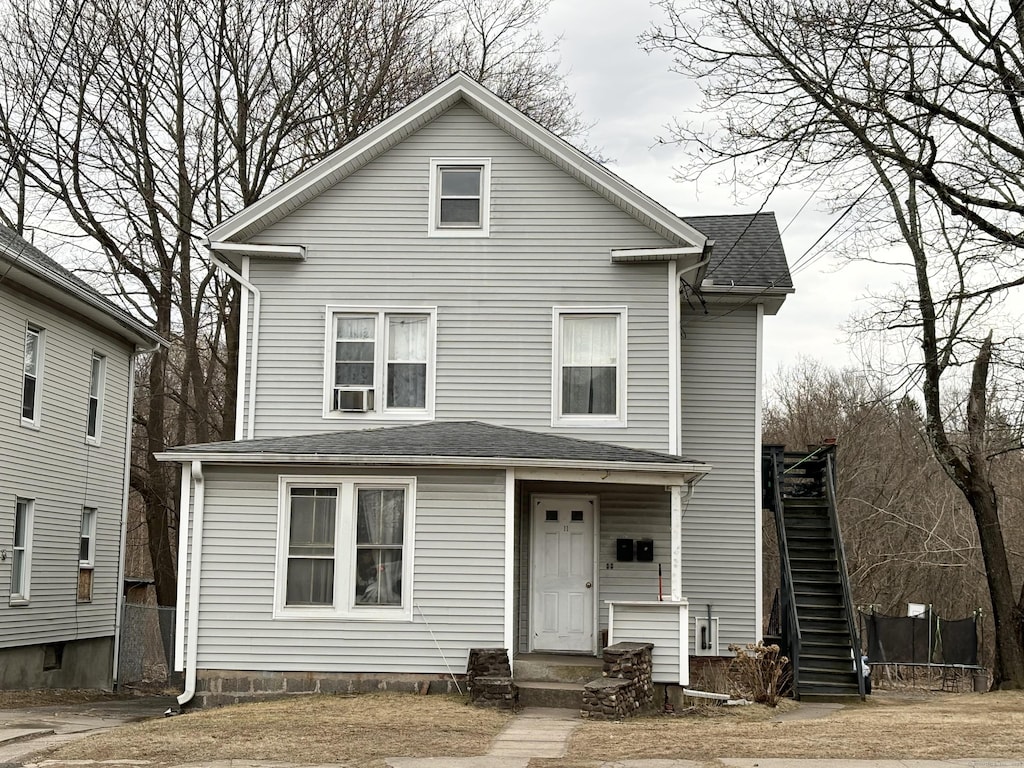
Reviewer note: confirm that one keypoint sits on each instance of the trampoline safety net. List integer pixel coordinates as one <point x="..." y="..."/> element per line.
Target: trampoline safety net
<point x="921" y="639"/>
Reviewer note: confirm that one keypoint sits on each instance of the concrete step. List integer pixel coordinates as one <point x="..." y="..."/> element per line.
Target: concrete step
<point x="553" y="695"/>
<point x="555" y="668"/>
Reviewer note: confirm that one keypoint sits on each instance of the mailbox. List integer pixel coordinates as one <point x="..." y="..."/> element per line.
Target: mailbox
<point x="624" y="550"/>
<point x="645" y="550"/>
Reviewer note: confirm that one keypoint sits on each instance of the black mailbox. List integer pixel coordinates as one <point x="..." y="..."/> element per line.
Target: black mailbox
<point x="624" y="550"/>
<point x="645" y="550"/>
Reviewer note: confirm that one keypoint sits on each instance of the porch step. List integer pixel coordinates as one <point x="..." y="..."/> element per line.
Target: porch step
<point x="556" y="668"/>
<point x="557" y="695"/>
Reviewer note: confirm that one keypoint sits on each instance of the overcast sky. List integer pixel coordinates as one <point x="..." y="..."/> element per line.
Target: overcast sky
<point x="631" y="96"/>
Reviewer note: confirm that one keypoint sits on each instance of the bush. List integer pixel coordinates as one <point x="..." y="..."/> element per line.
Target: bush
<point x="760" y="672"/>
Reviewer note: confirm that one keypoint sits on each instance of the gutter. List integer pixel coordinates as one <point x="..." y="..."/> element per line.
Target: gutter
<point x="125" y="490"/>
<point x="192" y="640"/>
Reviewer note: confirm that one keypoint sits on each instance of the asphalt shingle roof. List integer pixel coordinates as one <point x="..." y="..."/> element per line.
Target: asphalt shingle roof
<point x="16" y="250"/>
<point x="451" y="439"/>
<point x="748" y="250"/>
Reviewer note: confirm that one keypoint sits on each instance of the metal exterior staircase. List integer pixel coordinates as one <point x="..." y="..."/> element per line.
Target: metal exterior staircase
<point x="818" y="630"/>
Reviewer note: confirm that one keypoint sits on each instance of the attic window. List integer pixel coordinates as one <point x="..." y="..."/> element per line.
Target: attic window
<point x="459" y="197"/>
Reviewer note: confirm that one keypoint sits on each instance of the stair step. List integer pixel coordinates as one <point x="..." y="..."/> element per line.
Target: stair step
<point x="556" y="668"/>
<point x="824" y="624"/>
<point x="555" y="695"/>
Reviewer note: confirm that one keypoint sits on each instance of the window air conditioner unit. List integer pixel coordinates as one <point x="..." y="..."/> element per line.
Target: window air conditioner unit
<point x="353" y="399"/>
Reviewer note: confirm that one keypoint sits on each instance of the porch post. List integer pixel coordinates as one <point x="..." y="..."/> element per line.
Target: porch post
<point x="677" y="542"/>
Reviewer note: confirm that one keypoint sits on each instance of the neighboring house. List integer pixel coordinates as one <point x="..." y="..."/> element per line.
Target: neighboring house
<point x="67" y="359"/>
<point x="477" y="393"/>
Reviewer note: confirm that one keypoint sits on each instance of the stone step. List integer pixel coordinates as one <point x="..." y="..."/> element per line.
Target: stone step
<point x="548" y="694"/>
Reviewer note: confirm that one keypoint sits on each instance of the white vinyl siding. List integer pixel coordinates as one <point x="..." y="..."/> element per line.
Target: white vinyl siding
<point x="457" y="592"/>
<point x="549" y="246"/>
<point x="60" y="470"/>
<point x="719" y="426"/>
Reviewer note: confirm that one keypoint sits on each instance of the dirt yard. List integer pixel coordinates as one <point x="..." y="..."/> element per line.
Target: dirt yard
<point x="362" y="730"/>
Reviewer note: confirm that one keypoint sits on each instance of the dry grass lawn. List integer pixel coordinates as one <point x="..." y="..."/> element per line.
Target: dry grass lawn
<point x="51" y="697"/>
<point x="885" y="727"/>
<point x="354" y="730"/>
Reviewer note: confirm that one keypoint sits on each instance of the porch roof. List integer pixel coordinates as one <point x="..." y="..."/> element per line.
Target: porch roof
<point x="473" y="443"/>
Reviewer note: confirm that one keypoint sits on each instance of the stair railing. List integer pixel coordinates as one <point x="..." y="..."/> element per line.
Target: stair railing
<point x="775" y="466"/>
<point x="829" y="481"/>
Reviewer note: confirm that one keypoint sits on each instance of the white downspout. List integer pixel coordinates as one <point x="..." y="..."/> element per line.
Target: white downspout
<point x="125" y="491"/>
<point x="194" y="578"/>
<point x="249" y="428"/>
<point x="758" y="480"/>
<point x="179" y="612"/>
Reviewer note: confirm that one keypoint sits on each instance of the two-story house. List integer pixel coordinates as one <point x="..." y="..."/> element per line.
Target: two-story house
<point x="481" y="379"/>
<point x="67" y="362"/>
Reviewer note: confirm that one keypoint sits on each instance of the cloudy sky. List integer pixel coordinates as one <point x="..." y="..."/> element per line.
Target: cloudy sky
<point x="631" y="96"/>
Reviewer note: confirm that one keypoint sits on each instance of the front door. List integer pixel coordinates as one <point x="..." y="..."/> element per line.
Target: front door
<point x="562" y="592"/>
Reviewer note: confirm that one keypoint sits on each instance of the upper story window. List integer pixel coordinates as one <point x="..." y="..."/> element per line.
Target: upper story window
<point x="589" y="379"/>
<point x="95" y="412"/>
<point x="21" y="563"/>
<point x="345" y="548"/>
<point x="380" y="362"/>
<point x="459" y="197"/>
<point x="32" y="382"/>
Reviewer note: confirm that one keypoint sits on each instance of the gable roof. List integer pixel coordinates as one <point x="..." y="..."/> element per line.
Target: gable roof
<point x="472" y="443"/>
<point x="460" y="87"/>
<point x="747" y="251"/>
<point x="22" y="262"/>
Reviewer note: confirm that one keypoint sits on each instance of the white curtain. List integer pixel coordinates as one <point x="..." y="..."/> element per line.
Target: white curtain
<point x="380" y="529"/>
<point x="590" y="353"/>
<point x="408" y="337"/>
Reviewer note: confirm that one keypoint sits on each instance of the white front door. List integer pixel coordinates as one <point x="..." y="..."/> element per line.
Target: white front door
<point x="562" y="592"/>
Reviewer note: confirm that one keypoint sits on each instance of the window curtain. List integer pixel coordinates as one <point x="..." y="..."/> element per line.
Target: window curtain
<point x="407" y="361"/>
<point x="354" y="351"/>
<point x="590" y="351"/>
<point x="380" y="530"/>
<point x="311" y="546"/>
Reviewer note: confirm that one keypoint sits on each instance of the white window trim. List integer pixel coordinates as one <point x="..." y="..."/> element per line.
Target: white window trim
<point x="345" y="549"/>
<point x="380" y="410"/>
<point x="434" y="199"/>
<point x="37" y="406"/>
<point x="95" y="439"/>
<point x="558" y="419"/>
<point x="22" y="598"/>
<point x="91" y="560"/>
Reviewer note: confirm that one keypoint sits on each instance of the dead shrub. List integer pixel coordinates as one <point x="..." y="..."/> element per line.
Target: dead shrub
<point x="760" y="672"/>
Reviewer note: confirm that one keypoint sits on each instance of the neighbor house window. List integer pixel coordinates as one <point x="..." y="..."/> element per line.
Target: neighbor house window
<point x="95" y="413"/>
<point x="589" y="378"/>
<point x="380" y="363"/>
<point x="87" y="538"/>
<point x="21" y="563"/>
<point x="459" y="197"/>
<point x="345" y="547"/>
<point x="32" y="382"/>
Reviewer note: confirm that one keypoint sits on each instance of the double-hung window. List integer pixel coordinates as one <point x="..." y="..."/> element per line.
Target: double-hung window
<point x="21" y="563"/>
<point x="94" y="417"/>
<point x="381" y="362"/>
<point x="345" y="548"/>
<point x="459" y="204"/>
<point x="86" y="553"/>
<point x="589" y="378"/>
<point x="32" y="381"/>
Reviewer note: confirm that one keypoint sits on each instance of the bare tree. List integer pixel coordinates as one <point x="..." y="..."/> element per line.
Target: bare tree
<point x="134" y="125"/>
<point x="910" y="110"/>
